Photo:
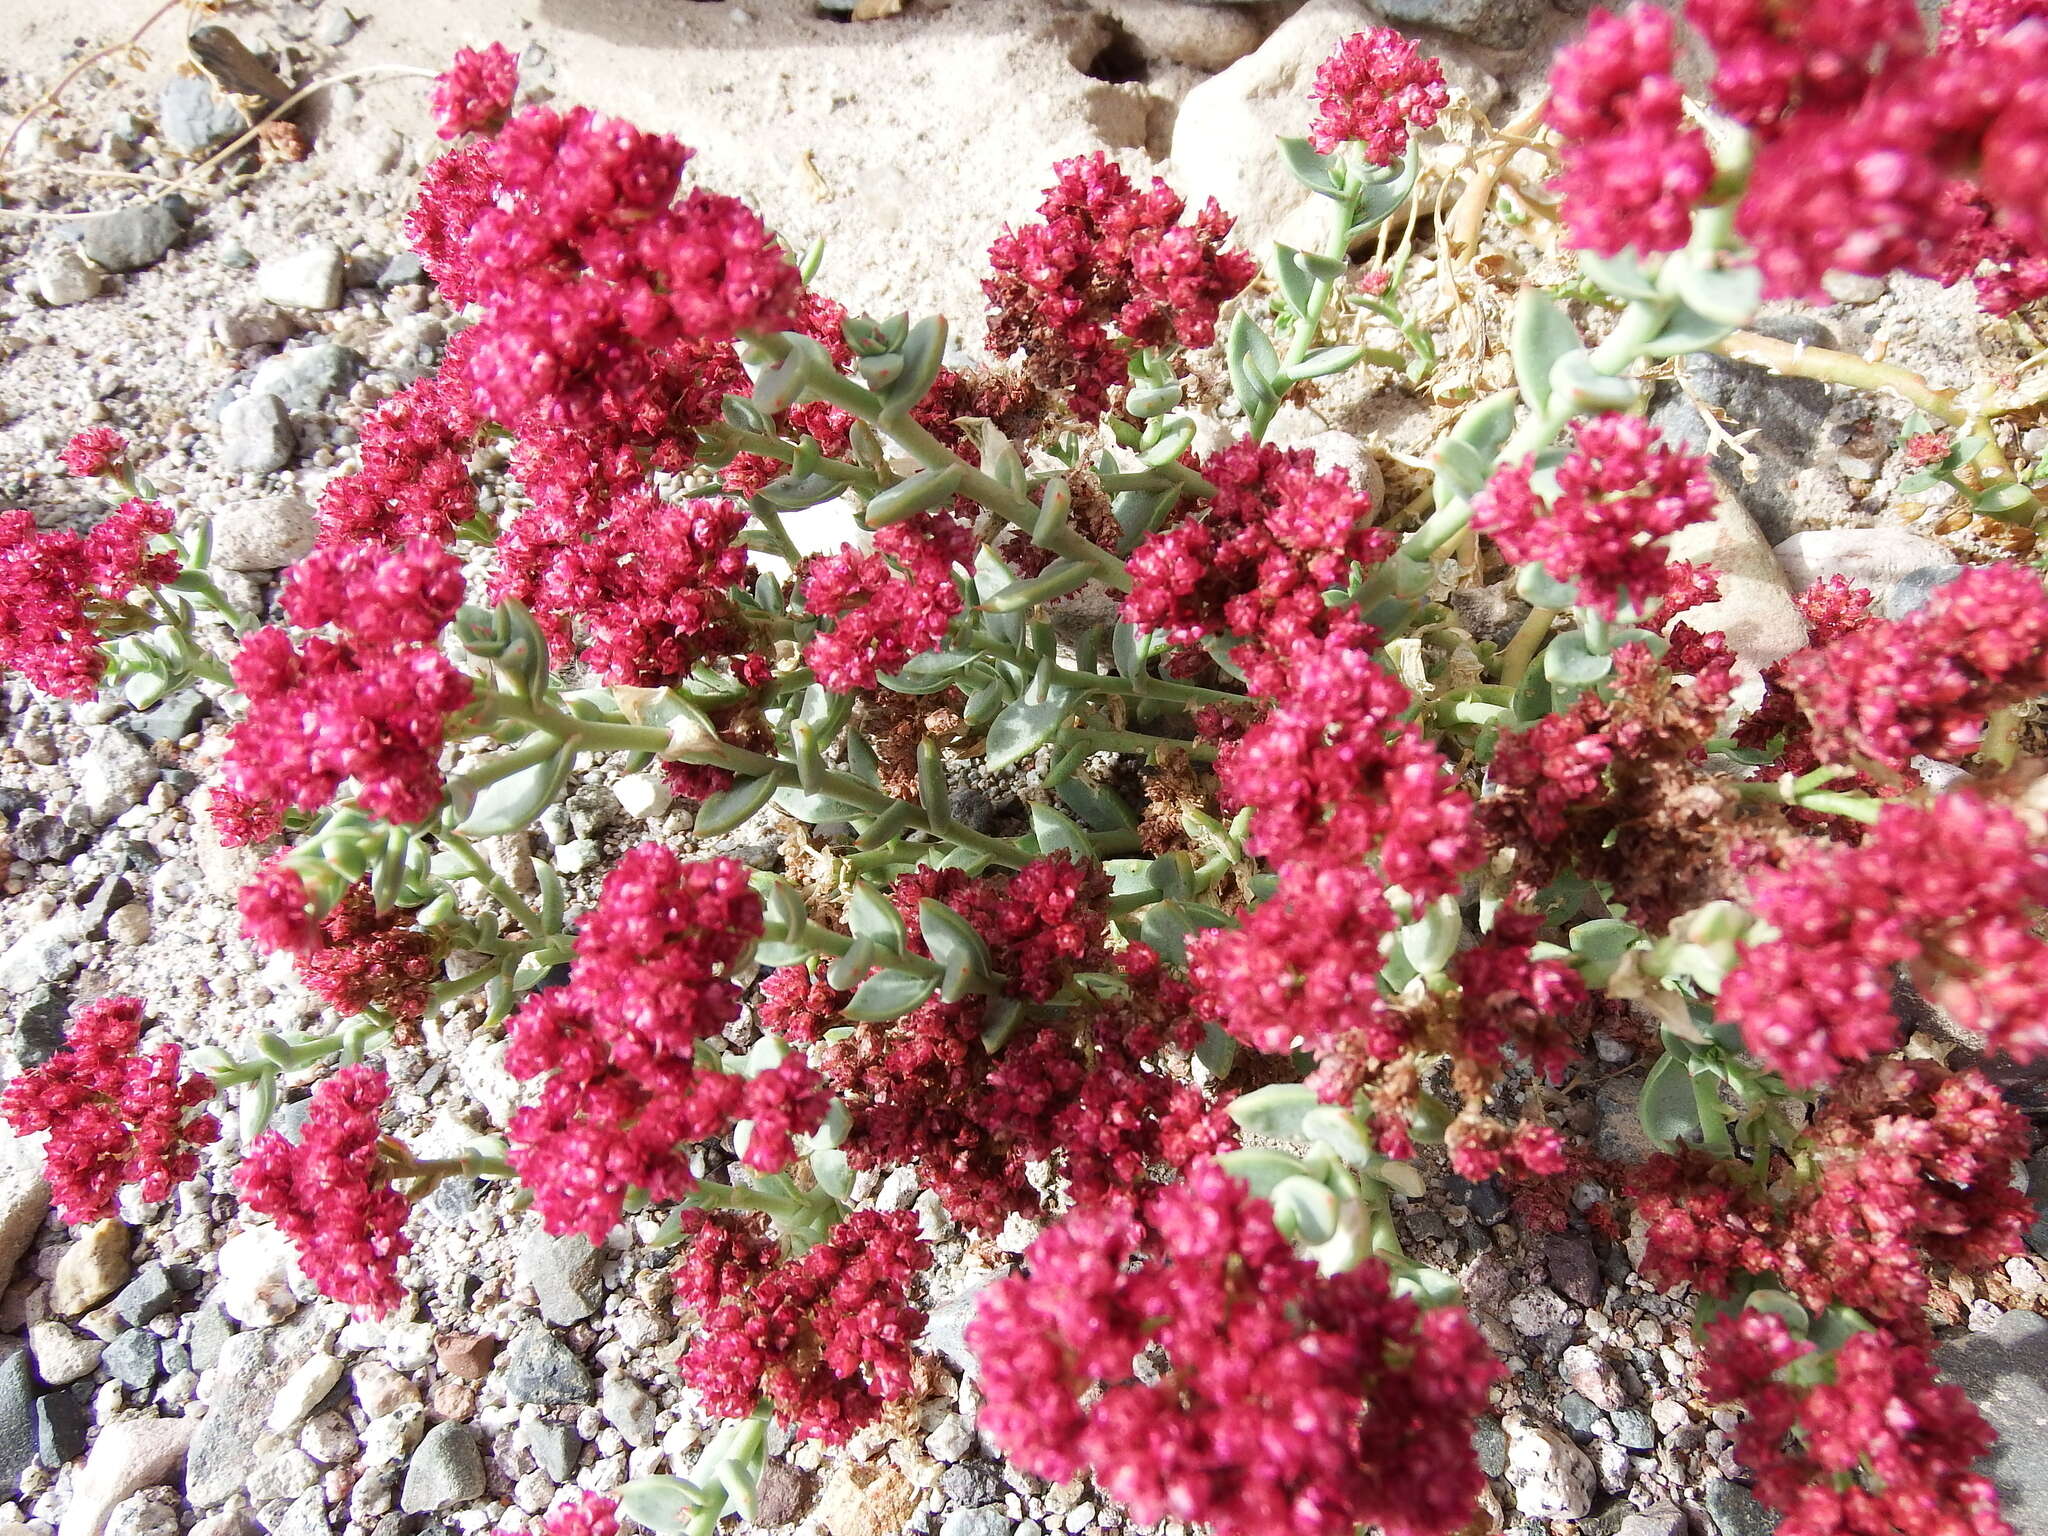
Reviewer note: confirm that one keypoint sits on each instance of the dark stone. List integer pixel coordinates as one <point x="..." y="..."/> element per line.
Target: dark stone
<point x="172" y="718"/>
<point x="1489" y="23"/>
<point x="1737" y="1512"/>
<point x="17" y="1415"/>
<point x="556" y="1448"/>
<point x="783" y="1495"/>
<point x="2037" y="1191"/>
<point x="129" y="239"/>
<point x="39" y="1028"/>
<point x="1484" y="1200"/>
<point x="969" y="1483"/>
<point x="540" y="1368"/>
<point x="1580" y="1415"/>
<point x="107" y="898"/>
<point x="401" y="269"/>
<point x="1634" y="1430"/>
<point x="1490" y="1441"/>
<point x="147" y="1297"/>
<point x="453" y="1199"/>
<point x="2004" y="1370"/>
<point x="176" y="1357"/>
<point x="40" y="838"/>
<point x="1788" y="419"/>
<point x="1573" y="1267"/>
<point x="61" y="1420"/>
<point x="186" y="1277"/>
<point x="211" y="1331"/>
<point x="132" y="1359"/>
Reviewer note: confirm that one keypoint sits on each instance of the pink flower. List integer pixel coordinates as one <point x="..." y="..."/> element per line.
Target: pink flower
<point x="1620" y="494"/>
<point x="583" y="1514"/>
<point x="1107" y="257"/>
<point x="1183" y="1354"/>
<point x="95" y="451"/>
<point x="1336" y="774"/>
<point x="1878" y="1444"/>
<point x="240" y="821"/>
<point x="827" y="1338"/>
<point x="328" y="712"/>
<point x="475" y="92"/>
<point x="414" y="479"/>
<point x="1258" y="559"/>
<point x="1633" y="168"/>
<point x="887" y="606"/>
<point x="365" y="958"/>
<point x="1376" y="89"/>
<point x="1773" y="59"/>
<point x="331" y="1194"/>
<point x="1925" y="685"/>
<point x="1819" y="994"/>
<point x="622" y="1096"/>
<point x="381" y="599"/>
<point x="53" y="584"/>
<point x="277" y="910"/>
<point x="115" y="1117"/>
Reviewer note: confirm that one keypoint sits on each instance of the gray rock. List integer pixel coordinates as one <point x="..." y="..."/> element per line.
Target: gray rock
<point x="1912" y="590"/>
<point x="1794" y="425"/>
<point x="152" y="1512"/>
<point x="1736" y="1511"/>
<point x="116" y="773"/>
<point x="17" y="1415"/>
<point x="783" y="1493"/>
<point x="540" y="1368"/>
<point x="129" y="239"/>
<point x="401" y="269"/>
<point x="41" y="956"/>
<point x="211" y="1331"/>
<point x="60" y="1427"/>
<point x="1632" y="1427"/>
<point x="240" y="1388"/>
<point x="447" y="1469"/>
<point x="1490" y="1443"/>
<point x="147" y="1297"/>
<point x="256" y="438"/>
<point x="563" y="1274"/>
<point x="173" y="717"/>
<point x="986" y="1521"/>
<point x="945" y="1331"/>
<point x="39" y="1028"/>
<point x="306" y="279"/>
<point x="628" y="1407"/>
<point x="304" y="1516"/>
<point x="2037" y="1191"/>
<point x="264" y="534"/>
<point x="24" y="1198"/>
<point x="43" y="839"/>
<point x="255" y="325"/>
<point x="1579" y="1415"/>
<point x="2005" y="1372"/>
<point x="306" y="378"/>
<point x="193" y="117"/>
<point x="1663" y="1521"/>
<point x="556" y="1448"/>
<point x="1489" y="23"/>
<point x="106" y="897"/>
<point x="132" y="1359"/>
<point x="972" y="1482"/>
<point x="333" y="26"/>
<point x="64" y="276"/>
<point x="1876" y="558"/>
<point x="1536" y="1311"/>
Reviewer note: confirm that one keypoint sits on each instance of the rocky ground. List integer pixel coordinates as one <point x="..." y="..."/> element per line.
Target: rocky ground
<point x="169" y="1370"/>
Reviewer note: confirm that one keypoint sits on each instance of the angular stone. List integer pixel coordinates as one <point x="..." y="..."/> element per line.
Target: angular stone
<point x="133" y="1359"/>
<point x="556" y="1448"/>
<point x="540" y="1368"/>
<point x="305" y="279"/>
<point x="115" y="774"/>
<point x="147" y="1297"/>
<point x="17" y="1415"/>
<point x="563" y="1274"/>
<point x="239" y="1391"/>
<point x="2005" y="1372"/>
<point x="447" y="1469"/>
<point x="256" y="438"/>
<point x="304" y="1390"/>
<point x="24" y="1198"/>
<point x="1737" y="1512"/>
<point x="193" y="117"/>
<point x="92" y="1268"/>
<point x="1552" y="1478"/>
<point x="1489" y="23"/>
<point x="783" y="1494"/>
<point x="63" y="1356"/>
<point x="306" y="378"/>
<point x="64" y="277"/>
<point x="60" y="1427"/>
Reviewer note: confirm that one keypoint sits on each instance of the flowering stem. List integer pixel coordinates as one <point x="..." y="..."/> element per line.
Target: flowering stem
<point x="1104" y="740"/>
<point x="480" y="871"/>
<point x="1789" y="790"/>
<point x="1338" y="248"/>
<point x="1514" y="661"/>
